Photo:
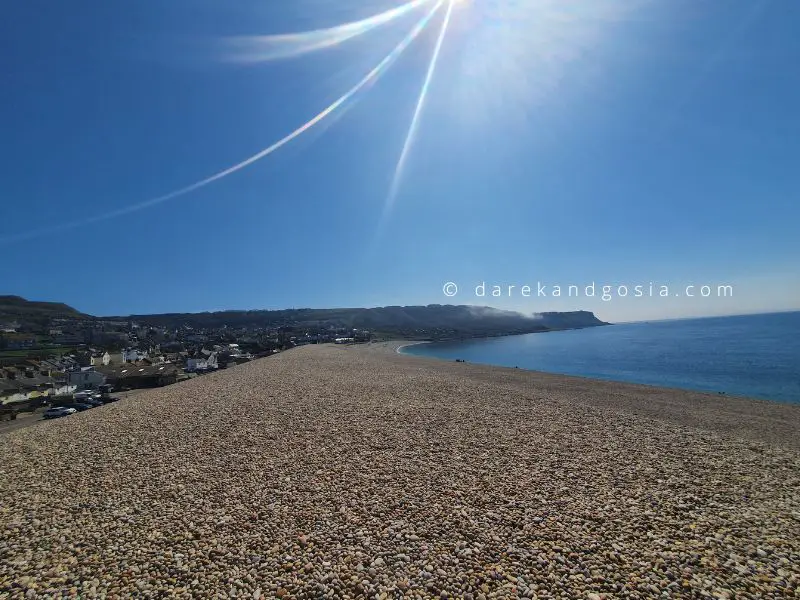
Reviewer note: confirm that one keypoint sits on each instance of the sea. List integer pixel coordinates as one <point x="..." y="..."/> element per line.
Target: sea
<point x="756" y="356"/>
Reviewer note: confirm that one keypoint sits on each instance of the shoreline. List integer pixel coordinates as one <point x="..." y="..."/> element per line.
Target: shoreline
<point x="715" y="393"/>
<point x="400" y="347"/>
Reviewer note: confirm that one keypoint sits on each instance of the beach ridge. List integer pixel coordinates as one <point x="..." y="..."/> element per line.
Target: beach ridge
<point x="357" y="472"/>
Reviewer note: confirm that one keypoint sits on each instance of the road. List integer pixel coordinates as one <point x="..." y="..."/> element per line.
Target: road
<point x="24" y="419"/>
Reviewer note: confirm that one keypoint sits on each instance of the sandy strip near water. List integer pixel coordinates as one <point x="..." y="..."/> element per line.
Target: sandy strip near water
<point x="357" y="472"/>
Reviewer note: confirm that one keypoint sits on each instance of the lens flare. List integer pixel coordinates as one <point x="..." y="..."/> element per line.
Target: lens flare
<point x="370" y="78"/>
<point x="260" y="48"/>
<point x="513" y="57"/>
<point x="412" y="130"/>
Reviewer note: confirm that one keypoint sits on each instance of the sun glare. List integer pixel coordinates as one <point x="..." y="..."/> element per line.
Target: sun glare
<point x="516" y="55"/>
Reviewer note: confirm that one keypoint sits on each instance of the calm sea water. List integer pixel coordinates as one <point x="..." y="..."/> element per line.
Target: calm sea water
<point x="751" y="355"/>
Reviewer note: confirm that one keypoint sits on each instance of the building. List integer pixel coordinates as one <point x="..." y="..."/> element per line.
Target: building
<point x="25" y="382"/>
<point x="53" y="365"/>
<point x="132" y="355"/>
<point x="10" y="391"/>
<point x="69" y="339"/>
<point x="20" y="343"/>
<point x="88" y="378"/>
<point x="100" y="359"/>
<point x="139" y="375"/>
<point x="9" y="327"/>
<point x="203" y="362"/>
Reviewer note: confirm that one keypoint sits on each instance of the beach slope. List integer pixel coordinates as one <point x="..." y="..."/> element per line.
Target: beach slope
<point x="356" y="472"/>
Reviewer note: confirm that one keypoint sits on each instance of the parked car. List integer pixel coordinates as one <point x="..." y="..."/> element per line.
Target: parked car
<point x="93" y="402"/>
<point x="58" y="411"/>
<point x="80" y="407"/>
<point x="105" y="394"/>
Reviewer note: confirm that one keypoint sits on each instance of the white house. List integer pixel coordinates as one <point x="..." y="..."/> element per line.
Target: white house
<point x="103" y="359"/>
<point x="63" y="389"/>
<point x="86" y="379"/>
<point x="202" y="363"/>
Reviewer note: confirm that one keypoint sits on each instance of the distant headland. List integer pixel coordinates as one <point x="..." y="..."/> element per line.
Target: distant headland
<point x="431" y="322"/>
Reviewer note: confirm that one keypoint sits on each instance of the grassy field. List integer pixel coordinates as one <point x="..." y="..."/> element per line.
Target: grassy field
<point x="35" y="352"/>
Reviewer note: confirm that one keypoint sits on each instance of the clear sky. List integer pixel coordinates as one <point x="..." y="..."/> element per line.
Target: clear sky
<point x="615" y="142"/>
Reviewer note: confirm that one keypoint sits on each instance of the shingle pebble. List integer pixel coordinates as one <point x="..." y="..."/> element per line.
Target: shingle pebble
<point x="329" y="472"/>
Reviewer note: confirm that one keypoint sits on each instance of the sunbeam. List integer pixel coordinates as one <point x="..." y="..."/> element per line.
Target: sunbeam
<point x="369" y="78"/>
<point x="260" y="48"/>
<point x="412" y="129"/>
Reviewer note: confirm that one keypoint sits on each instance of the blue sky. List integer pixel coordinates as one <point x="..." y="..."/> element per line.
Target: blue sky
<point x="612" y="141"/>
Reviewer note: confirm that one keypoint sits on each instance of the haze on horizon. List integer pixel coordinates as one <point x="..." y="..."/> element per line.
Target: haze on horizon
<point x="610" y="141"/>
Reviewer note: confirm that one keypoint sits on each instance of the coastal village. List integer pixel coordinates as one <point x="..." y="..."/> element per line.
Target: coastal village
<point x="57" y="358"/>
<point x="49" y="351"/>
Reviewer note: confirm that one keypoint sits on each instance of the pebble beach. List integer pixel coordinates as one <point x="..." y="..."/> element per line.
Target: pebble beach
<point x="357" y="472"/>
